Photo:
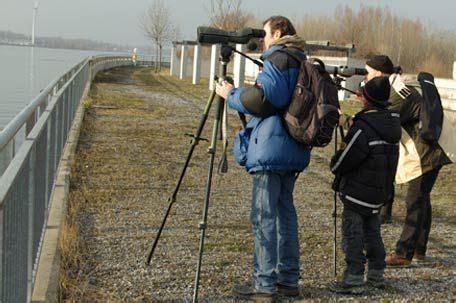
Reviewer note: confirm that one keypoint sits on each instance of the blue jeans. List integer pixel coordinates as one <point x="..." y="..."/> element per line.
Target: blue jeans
<point x="275" y="229"/>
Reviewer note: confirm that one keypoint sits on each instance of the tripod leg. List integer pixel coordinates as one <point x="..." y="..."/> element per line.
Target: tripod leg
<point x="335" y="215"/>
<point x="172" y="199"/>
<point x="203" y="224"/>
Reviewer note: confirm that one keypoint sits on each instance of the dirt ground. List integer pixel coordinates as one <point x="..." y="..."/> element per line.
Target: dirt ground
<point x="131" y="151"/>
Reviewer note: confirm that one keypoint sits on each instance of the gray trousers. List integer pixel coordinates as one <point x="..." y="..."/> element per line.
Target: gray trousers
<point x="361" y="241"/>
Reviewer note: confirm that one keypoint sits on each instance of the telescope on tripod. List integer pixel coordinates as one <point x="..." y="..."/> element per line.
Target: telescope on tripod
<point x="207" y="35"/>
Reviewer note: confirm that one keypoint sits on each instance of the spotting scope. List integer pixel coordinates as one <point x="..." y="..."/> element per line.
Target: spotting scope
<point x="210" y="35"/>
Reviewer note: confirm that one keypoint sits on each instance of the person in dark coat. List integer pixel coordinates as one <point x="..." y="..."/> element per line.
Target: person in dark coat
<point x="419" y="165"/>
<point x="365" y="168"/>
<point x="274" y="159"/>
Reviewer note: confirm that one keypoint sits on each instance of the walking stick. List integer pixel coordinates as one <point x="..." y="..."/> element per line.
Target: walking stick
<point x="334" y="215"/>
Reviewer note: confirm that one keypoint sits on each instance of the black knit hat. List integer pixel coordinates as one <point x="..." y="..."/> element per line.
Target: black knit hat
<point x="381" y="63"/>
<point x="377" y="91"/>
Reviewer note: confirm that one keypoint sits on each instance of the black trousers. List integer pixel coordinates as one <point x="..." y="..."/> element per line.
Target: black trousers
<point x="415" y="233"/>
<point x="361" y="240"/>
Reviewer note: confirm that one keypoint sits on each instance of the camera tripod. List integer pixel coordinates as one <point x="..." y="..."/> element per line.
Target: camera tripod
<point x="224" y="59"/>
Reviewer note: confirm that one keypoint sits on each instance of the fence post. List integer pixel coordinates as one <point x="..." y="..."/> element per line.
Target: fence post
<point x="454" y="70"/>
<point x="172" y="66"/>
<point x="197" y="64"/>
<point x="184" y="61"/>
<point x="239" y="66"/>
<point x="214" y="65"/>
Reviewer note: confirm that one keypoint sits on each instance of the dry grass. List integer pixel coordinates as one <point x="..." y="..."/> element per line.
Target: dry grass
<point x="128" y="160"/>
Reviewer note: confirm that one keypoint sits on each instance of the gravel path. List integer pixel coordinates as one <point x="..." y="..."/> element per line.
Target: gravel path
<point x="129" y="157"/>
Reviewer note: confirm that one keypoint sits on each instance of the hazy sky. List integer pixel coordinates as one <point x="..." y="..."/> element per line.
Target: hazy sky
<point x="117" y="21"/>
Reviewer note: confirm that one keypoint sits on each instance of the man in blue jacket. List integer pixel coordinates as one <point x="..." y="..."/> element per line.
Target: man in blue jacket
<point x="274" y="159"/>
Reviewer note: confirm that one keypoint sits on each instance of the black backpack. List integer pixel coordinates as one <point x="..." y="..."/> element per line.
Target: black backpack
<point x="431" y="112"/>
<point x="313" y="112"/>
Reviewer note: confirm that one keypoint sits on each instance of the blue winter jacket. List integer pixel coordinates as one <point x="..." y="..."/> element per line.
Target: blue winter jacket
<point x="265" y="144"/>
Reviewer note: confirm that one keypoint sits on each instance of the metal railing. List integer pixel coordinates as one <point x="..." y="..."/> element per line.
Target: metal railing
<point x="28" y="172"/>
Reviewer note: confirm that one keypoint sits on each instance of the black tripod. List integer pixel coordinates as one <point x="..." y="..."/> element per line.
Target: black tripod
<point x="224" y="59"/>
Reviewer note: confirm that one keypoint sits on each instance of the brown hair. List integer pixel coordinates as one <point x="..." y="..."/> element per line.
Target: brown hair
<point x="282" y="24"/>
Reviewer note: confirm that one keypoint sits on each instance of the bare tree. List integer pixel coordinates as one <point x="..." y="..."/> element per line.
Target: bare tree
<point x="157" y="25"/>
<point x="228" y="15"/>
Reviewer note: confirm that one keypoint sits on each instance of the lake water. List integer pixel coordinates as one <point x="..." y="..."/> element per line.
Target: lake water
<point x="24" y="71"/>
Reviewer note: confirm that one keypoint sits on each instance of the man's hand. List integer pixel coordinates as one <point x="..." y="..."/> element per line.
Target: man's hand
<point x="223" y="89"/>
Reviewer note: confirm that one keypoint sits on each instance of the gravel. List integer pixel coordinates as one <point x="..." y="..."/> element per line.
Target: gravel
<point x="128" y="161"/>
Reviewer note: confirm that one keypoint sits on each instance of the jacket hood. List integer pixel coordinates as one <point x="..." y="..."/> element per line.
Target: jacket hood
<point x="294" y="42"/>
<point x="291" y="41"/>
<point x="385" y="123"/>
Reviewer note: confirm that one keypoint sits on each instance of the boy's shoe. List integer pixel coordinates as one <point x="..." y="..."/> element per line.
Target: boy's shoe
<point x="346" y="289"/>
<point x="395" y="260"/>
<point x="288" y="291"/>
<point x="247" y="292"/>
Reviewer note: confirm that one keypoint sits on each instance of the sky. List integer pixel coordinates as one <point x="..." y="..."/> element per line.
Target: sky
<point x="117" y="21"/>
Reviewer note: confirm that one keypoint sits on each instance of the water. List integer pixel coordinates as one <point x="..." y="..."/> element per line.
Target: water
<point x="25" y="71"/>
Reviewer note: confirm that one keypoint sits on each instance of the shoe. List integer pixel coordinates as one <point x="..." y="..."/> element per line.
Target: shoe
<point x="395" y="260"/>
<point x="287" y="291"/>
<point x="346" y="289"/>
<point x="247" y="292"/>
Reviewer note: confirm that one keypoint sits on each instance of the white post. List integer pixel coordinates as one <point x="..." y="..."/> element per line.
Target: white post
<point x="184" y="61"/>
<point x="197" y="64"/>
<point x="454" y="70"/>
<point x="173" y="64"/>
<point x="239" y="66"/>
<point x="214" y="65"/>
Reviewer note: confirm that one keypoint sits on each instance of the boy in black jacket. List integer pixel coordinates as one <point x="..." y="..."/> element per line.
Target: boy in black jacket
<point x="365" y="170"/>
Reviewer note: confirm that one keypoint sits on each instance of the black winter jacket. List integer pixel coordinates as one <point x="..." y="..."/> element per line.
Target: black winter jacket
<point x="365" y="168"/>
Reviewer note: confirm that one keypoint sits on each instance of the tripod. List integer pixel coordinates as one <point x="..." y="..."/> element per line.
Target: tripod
<point x="224" y="59"/>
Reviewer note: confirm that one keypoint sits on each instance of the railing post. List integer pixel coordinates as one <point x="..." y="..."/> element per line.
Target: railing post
<point x="6" y="155"/>
<point x="197" y="64"/>
<point x="239" y="66"/>
<point x="215" y="52"/>
<point x="30" y="122"/>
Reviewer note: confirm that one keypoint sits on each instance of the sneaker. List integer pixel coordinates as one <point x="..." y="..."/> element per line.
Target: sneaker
<point x="395" y="260"/>
<point x="247" y="292"/>
<point x="287" y="291"/>
<point x="346" y="289"/>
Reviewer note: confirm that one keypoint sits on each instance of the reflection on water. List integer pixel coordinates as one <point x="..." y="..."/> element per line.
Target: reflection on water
<point x="25" y="71"/>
